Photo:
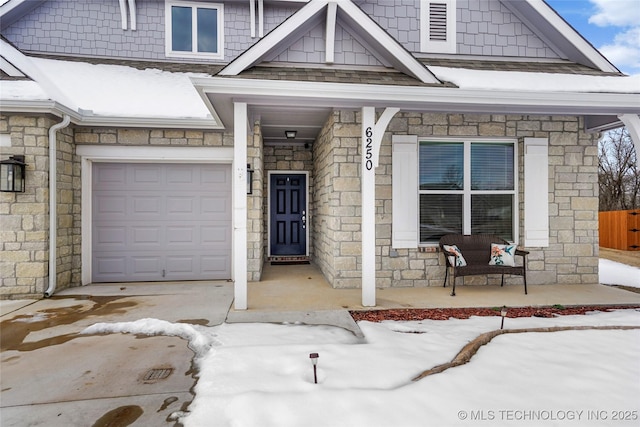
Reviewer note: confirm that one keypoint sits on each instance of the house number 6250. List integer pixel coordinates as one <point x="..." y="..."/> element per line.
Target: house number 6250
<point x="369" y="149"/>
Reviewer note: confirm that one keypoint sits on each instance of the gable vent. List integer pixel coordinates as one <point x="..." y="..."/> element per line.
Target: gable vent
<point x="438" y="26"/>
<point x="438" y="21"/>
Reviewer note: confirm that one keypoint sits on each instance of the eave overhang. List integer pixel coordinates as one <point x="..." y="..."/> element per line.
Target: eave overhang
<point x="88" y="119"/>
<point x="219" y="93"/>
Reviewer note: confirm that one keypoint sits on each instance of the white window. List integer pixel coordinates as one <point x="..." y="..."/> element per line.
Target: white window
<point x="438" y="26"/>
<point x="194" y="29"/>
<point x="467" y="186"/>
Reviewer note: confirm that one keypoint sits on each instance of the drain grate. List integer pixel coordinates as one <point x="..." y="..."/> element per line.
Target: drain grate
<point x="157" y="374"/>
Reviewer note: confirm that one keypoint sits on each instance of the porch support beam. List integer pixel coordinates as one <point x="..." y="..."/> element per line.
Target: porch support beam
<point x="240" y="137"/>
<point x="632" y="122"/>
<point x="372" y="134"/>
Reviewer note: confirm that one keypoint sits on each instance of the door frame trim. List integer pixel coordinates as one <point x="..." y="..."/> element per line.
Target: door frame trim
<point x="134" y="154"/>
<point x="287" y="172"/>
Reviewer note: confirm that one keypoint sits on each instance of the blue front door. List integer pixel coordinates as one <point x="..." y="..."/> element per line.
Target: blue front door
<point x="288" y="214"/>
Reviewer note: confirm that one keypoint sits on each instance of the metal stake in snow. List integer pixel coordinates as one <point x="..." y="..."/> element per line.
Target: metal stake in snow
<point x="314" y="360"/>
<point x="503" y="313"/>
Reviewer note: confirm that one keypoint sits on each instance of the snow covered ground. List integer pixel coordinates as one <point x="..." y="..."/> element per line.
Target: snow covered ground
<point x="615" y="273"/>
<point x="261" y="375"/>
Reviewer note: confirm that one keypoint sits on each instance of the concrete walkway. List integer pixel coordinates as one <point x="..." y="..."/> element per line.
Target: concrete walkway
<point x="51" y="375"/>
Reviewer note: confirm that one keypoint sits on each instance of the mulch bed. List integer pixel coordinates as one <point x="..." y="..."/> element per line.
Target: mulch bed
<point x="465" y="313"/>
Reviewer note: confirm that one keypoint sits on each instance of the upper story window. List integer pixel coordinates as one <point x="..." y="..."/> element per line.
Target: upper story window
<point x="467" y="187"/>
<point x="438" y="26"/>
<point x="194" y="29"/>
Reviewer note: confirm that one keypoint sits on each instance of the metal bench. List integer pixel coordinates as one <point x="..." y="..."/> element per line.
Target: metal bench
<point x="476" y="250"/>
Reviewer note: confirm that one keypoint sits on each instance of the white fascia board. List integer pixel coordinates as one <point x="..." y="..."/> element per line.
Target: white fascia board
<point x="400" y="57"/>
<point x="572" y="36"/>
<point x="255" y="53"/>
<point x="8" y="68"/>
<point x="339" y="95"/>
<point x="28" y="67"/>
<point x="147" y="122"/>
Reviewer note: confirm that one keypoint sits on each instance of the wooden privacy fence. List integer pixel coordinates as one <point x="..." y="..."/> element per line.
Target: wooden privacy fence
<point x="620" y="230"/>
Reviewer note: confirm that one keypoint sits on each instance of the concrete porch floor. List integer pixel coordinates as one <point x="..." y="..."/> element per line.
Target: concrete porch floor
<point x="304" y="288"/>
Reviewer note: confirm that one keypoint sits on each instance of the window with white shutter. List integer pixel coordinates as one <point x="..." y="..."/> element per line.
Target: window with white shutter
<point x="438" y="26"/>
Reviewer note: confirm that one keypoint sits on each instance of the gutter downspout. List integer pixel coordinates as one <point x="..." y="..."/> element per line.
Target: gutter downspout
<point x="53" y="201"/>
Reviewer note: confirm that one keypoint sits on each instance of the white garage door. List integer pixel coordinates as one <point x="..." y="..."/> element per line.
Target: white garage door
<point x="155" y="222"/>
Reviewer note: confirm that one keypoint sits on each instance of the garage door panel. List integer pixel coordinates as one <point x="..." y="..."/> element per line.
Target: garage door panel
<point x="145" y="205"/>
<point x="179" y="264"/>
<point x="109" y="175"/>
<point x="212" y="264"/>
<point x="214" y="234"/>
<point x="144" y="268"/>
<point x="161" y="222"/>
<point x="110" y="207"/>
<point x="181" y="235"/>
<point x="110" y="238"/>
<point x="145" y="175"/>
<point x="184" y="205"/>
<point x="149" y="237"/>
<point x="114" y="267"/>
<point x="182" y="175"/>
<point x="215" y="207"/>
<point x="213" y="176"/>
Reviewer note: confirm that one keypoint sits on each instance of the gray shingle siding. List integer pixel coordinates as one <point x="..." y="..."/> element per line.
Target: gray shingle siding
<point x="93" y="28"/>
<point x="486" y="27"/>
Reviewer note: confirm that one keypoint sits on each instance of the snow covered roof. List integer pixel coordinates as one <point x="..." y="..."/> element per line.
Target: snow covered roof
<point x="104" y="94"/>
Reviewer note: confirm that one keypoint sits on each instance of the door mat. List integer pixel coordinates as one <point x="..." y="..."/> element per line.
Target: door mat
<point x="289" y="260"/>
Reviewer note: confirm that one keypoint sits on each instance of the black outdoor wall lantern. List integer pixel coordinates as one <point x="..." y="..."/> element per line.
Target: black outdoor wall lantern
<point x="249" y="179"/>
<point x="12" y="173"/>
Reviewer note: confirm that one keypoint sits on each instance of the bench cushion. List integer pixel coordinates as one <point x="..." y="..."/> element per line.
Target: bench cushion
<point x="458" y="260"/>
<point x="503" y="255"/>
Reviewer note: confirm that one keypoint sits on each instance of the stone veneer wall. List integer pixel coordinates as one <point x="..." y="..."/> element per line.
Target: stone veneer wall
<point x="69" y="203"/>
<point x="572" y="256"/>
<point x="292" y="158"/>
<point x="24" y="221"/>
<point x="255" y="207"/>
<point x="337" y="200"/>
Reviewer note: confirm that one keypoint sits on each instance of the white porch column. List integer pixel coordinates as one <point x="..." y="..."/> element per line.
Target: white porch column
<point x="240" y="136"/>
<point x="632" y="122"/>
<point x="372" y="134"/>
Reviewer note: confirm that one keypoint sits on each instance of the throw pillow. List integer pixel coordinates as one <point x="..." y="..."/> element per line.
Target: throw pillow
<point x="503" y="255"/>
<point x="458" y="260"/>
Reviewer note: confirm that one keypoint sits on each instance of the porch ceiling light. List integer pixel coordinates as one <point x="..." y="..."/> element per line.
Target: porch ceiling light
<point x="12" y="174"/>
<point x="290" y="134"/>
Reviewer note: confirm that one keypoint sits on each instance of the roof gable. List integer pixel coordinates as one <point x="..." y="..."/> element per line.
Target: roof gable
<point x="351" y="19"/>
<point x="558" y="34"/>
<point x="12" y="10"/>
